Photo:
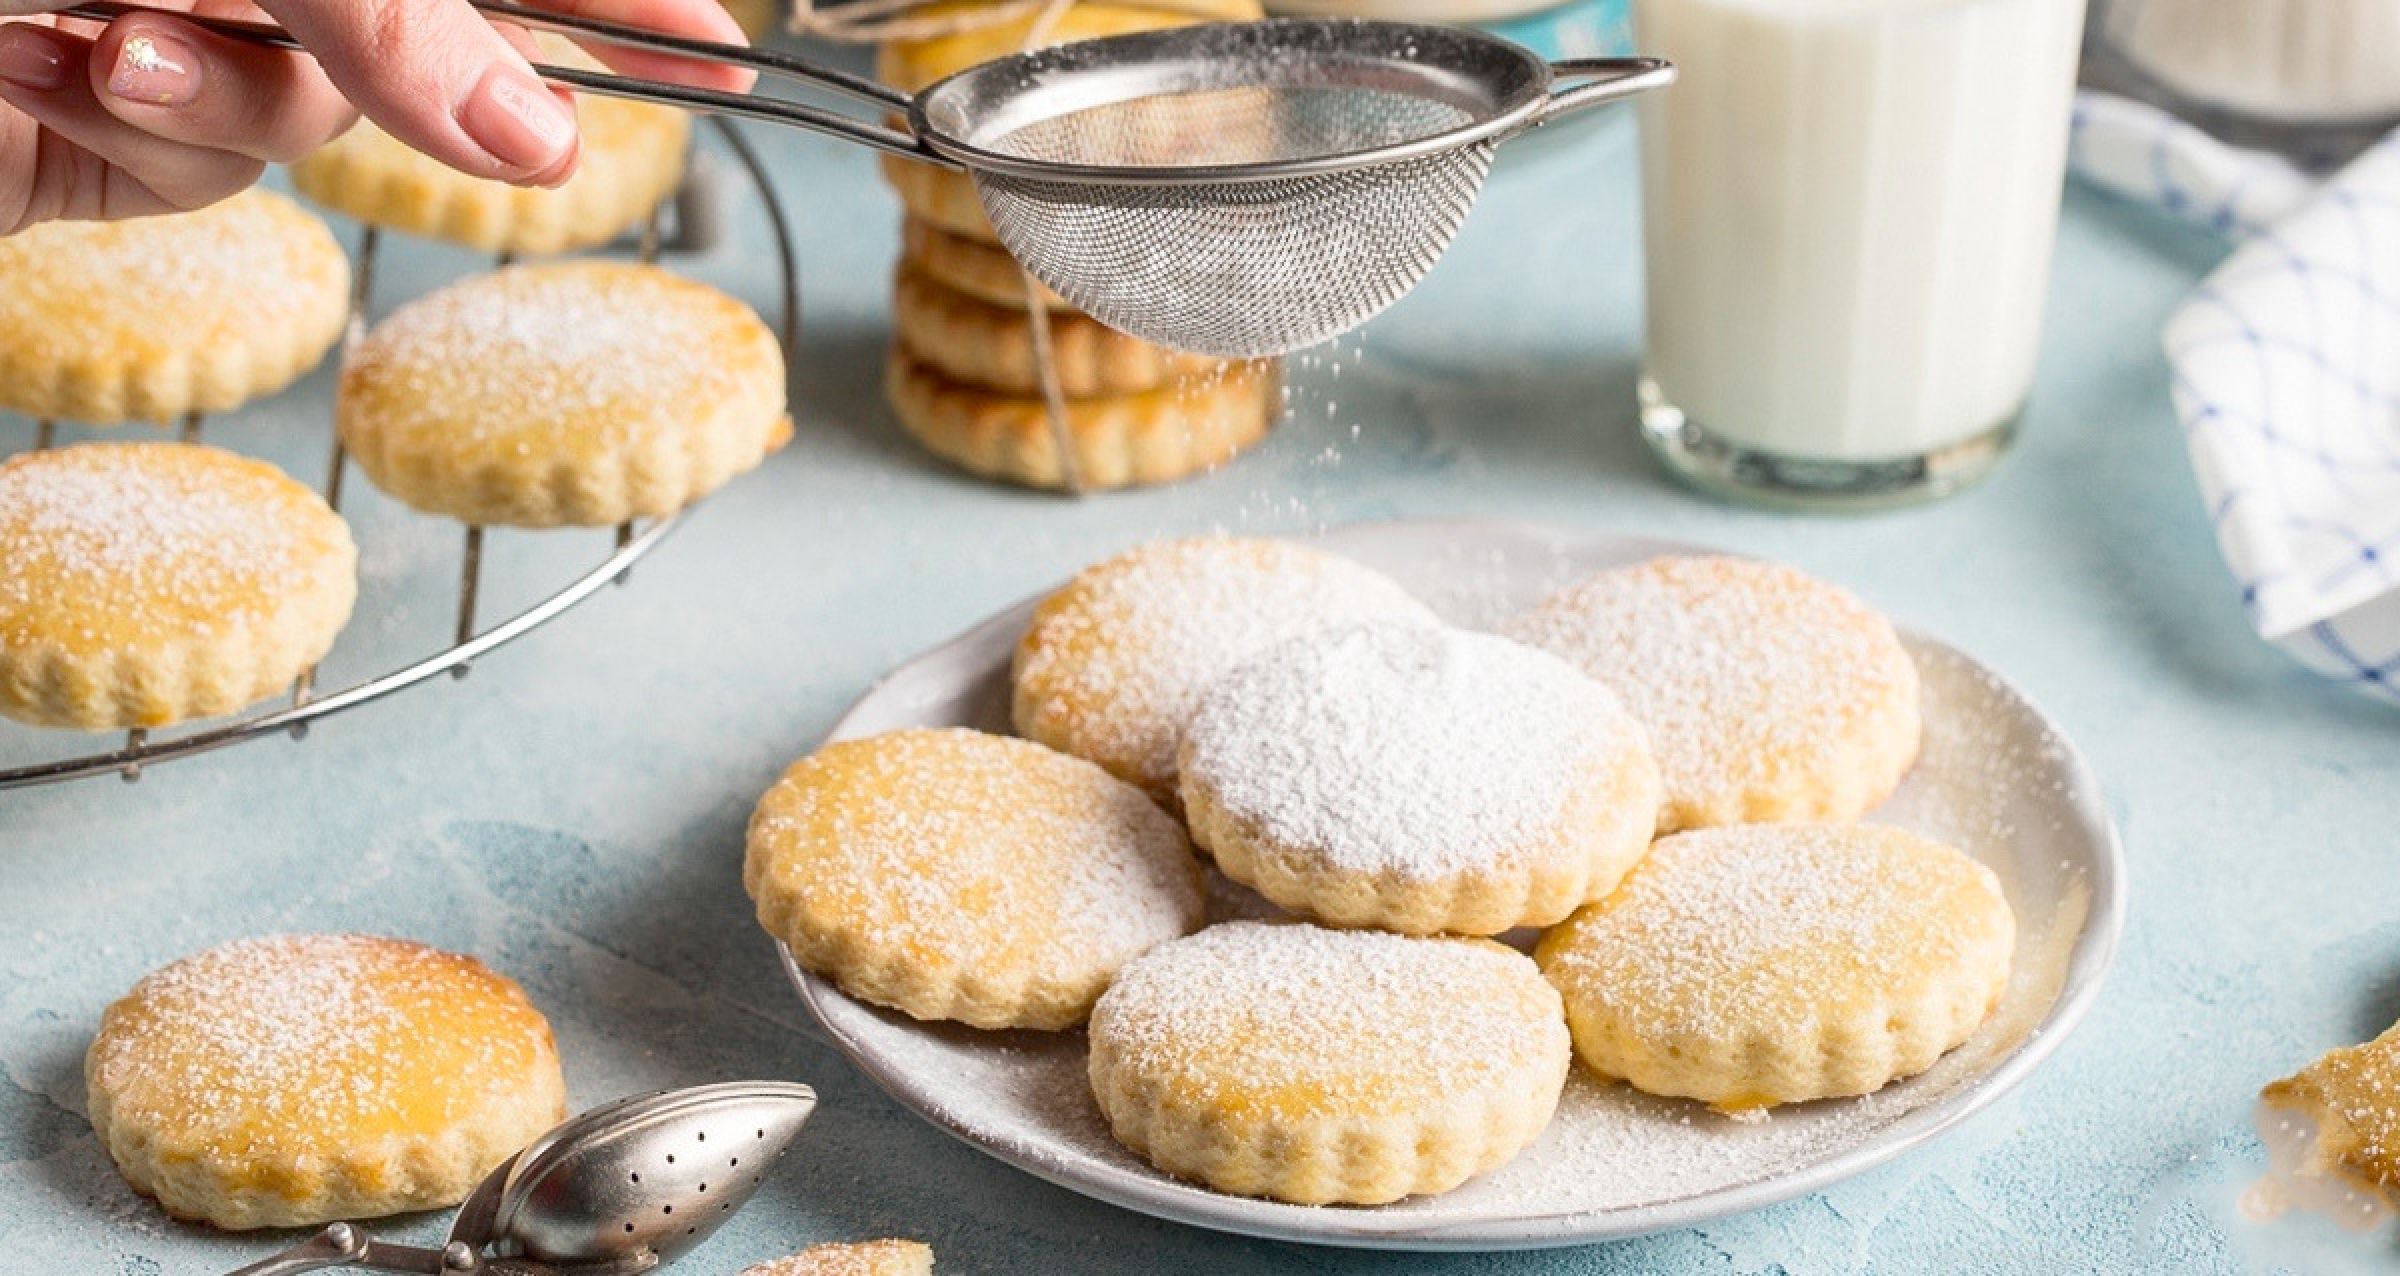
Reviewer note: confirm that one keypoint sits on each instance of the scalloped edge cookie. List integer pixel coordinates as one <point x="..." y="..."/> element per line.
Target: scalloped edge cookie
<point x="1129" y="440"/>
<point x="263" y="325"/>
<point x="980" y="344"/>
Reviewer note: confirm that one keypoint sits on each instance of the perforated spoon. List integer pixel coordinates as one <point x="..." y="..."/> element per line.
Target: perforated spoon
<point x="625" y="1188"/>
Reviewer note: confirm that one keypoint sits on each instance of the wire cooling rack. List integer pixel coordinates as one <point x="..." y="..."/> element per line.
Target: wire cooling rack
<point x="293" y="713"/>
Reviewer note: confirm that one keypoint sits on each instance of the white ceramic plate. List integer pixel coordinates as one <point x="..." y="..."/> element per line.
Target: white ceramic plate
<point x="1995" y="778"/>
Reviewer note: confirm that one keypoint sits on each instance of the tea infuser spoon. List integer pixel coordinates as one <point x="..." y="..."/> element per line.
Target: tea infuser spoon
<point x="624" y="1188"/>
<point x="1233" y="189"/>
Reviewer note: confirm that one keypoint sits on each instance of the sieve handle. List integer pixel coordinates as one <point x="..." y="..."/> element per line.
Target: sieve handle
<point x="1604" y="80"/>
<point x="749" y="106"/>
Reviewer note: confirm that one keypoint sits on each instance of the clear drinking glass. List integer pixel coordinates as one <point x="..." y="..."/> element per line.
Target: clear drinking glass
<point x="1849" y="207"/>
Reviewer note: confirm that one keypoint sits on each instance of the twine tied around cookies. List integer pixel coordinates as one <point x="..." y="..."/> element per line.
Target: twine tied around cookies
<point x="882" y="21"/>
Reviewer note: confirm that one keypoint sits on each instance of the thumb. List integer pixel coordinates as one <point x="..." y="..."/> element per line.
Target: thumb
<point x="439" y="77"/>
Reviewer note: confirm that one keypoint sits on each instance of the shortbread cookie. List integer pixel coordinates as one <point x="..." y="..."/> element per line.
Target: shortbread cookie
<point x="298" y="1079"/>
<point x="1775" y="963"/>
<point x="157" y="317"/>
<point x="939" y="197"/>
<point x="1115" y="664"/>
<point x="910" y="65"/>
<point x="1182" y="428"/>
<point x="856" y="1258"/>
<point x="1769" y="695"/>
<point x="951" y="874"/>
<point x="1323" y="1066"/>
<point x="759" y="18"/>
<point x="2353" y="1097"/>
<point x="579" y="392"/>
<point x="979" y="344"/>
<point x="981" y="270"/>
<point x="148" y="583"/>
<point x="1419" y="779"/>
<point x="632" y="158"/>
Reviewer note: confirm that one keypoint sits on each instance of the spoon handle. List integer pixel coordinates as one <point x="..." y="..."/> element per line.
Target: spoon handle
<point x="337" y="1246"/>
<point x="344" y="1245"/>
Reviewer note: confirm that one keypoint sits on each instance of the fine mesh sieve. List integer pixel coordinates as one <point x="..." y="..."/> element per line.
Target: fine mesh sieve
<point x="1247" y="189"/>
<point x="1234" y="189"/>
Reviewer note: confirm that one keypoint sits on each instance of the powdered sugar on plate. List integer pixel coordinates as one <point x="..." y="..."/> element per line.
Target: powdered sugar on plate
<point x="1994" y="779"/>
<point x="1393" y="747"/>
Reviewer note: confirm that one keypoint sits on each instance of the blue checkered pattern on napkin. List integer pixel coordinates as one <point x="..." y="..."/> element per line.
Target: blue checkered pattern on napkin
<point x="2286" y="375"/>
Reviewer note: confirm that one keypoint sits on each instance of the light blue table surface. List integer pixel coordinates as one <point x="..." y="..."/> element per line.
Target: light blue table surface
<point x="573" y="812"/>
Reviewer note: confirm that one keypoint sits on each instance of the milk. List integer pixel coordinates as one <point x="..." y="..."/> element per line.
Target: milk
<point x="1849" y="210"/>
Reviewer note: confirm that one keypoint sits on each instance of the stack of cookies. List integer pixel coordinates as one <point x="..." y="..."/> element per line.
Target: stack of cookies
<point x="967" y="377"/>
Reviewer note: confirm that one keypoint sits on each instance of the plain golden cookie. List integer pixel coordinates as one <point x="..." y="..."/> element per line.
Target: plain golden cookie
<point x="1115" y="664"/>
<point x="1183" y="428"/>
<point x="759" y="18"/>
<point x="1769" y="695"/>
<point x="1776" y="963"/>
<point x="1323" y="1066"/>
<point x="854" y="1258"/>
<point x="632" y="158"/>
<point x="148" y="583"/>
<point x="980" y="344"/>
<point x="578" y="392"/>
<point x="2353" y="1096"/>
<point x="952" y="874"/>
<point x="156" y="317"/>
<point x="978" y="269"/>
<point x="1416" y="778"/>
<point x="298" y="1079"/>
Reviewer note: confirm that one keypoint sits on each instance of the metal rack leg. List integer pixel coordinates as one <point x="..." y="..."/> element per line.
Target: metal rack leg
<point x="45" y="433"/>
<point x="470" y="574"/>
<point x="190" y="433"/>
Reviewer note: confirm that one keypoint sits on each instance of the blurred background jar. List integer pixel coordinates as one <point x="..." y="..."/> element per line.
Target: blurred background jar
<point x="1849" y="209"/>
<point x="2312" y="77"/>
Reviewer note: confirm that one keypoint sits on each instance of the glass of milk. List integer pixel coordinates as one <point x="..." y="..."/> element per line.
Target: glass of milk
<point x="1849" y="207"/>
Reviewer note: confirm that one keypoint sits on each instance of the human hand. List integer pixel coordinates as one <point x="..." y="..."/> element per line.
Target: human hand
<point x="151" y="114"/>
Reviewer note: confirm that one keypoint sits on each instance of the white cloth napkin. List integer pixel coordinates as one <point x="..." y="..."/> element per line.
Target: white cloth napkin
<point x="2286" y="374"/>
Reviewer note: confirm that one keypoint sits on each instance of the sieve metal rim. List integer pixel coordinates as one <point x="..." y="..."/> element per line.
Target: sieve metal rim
<point x="1515" y="111"/>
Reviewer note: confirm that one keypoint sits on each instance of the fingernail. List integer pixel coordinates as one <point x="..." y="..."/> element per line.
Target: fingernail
<point x="517" y="121"/>
<point x="156" y="69"/>
<point x="30" y="58"/>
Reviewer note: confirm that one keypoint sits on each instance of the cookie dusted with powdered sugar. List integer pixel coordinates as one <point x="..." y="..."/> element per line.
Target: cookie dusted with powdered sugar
<point x="148" y="583"/>
<point x="1420" y="779"/>
<point x="852" y="1258"/>
<point x="580" y="393"/>
<point x="1768" y="694"/>
<point x="155" y="317"/>
<point x="1114" y="664"/>
<point x="951" y="874"/>
<point x="1328" y="1067"/>
<point x="299" y="1079"/>
<point x="1776" y="963"/>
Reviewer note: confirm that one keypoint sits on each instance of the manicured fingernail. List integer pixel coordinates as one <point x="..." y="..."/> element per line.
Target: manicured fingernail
<point x="32" y="58"/>
<point x="517" y="121"/>
<point x="157" y="69"/>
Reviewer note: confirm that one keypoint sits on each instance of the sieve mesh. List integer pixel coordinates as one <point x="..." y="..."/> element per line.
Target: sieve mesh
<point x="1239" y="270"/>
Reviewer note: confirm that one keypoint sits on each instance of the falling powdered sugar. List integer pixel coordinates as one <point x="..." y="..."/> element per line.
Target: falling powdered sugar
<point x="1415" y="749"/>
